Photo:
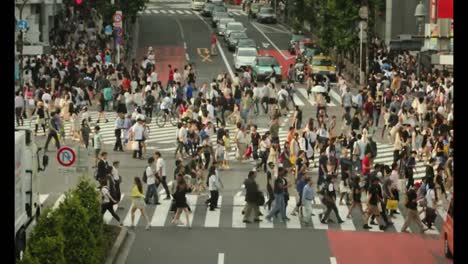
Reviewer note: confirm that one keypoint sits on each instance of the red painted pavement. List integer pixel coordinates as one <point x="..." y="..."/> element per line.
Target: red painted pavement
<point x="367" y="247"/>
<point x="165" y="55"/>
<point x="282" y="61"/>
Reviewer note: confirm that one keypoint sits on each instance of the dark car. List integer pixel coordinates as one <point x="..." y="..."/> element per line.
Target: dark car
<point x="246" y="43"/>
<point x="266" y="15"/>
<point x="233" y="39"/>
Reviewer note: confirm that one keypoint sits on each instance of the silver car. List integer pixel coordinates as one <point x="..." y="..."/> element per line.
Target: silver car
<point x="217" y="16"/>
<point x="233" y="27"/>
<point x="244" y="57"/>
<point x="221" y="26"/>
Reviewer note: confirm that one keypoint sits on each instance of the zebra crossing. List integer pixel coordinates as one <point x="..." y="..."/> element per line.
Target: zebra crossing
<point x="183" y="12"/>
<point x="229" y="215"/>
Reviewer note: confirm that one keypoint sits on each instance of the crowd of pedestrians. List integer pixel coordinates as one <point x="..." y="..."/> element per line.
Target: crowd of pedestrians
<point x="414" y="115"/>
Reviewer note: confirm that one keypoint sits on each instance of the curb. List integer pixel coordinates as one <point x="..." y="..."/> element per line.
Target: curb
<point x="118" y="243"/>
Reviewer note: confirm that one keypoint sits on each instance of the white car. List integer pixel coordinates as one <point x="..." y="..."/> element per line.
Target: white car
<point x="221" y="25"/>
<point x="245" y="57"/>
<point x="233" y="27"/>
<point x="198" y="4"/>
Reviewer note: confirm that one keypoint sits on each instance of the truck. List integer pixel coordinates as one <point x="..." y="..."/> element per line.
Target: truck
<point x="27" y="168"/>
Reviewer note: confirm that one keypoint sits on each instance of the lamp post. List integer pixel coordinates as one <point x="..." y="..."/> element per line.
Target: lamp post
<point x="420" y="14"/>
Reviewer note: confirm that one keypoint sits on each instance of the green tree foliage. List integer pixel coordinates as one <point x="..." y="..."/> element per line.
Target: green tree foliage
<point x="46" y="243"/>
<point x="334" y="22"/>
<point x="80" y="244"/>
<point x="88" y="196"/>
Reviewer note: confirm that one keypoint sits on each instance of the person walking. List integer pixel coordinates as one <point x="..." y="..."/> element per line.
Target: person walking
<point x="431" y="202"/>
<point x="279" y="205"/>
<point x="214" y="185"/>
<point x="181" y="201"/>
<point x="138" y="202"/>
<point x="329" y="198"/>
<point x="372" y="205"/>
<point x="213" y="44"/>
<point x="153" y="182"/>
<point x="103" y="167"/>
<point x="119" y="125"/>
<point x="19" y="108"/>
<point x="97" y="143"/>
<point x="115" y="181"/>
<point x="411" y="204"/>
<point x="252" y="198"/>
<point x="137" y="134"/>
<point x="53" y="132"/>
<point x="85" y="131"/>
<point x="308" y="196"/>
<point x="107" y="202"/>
<point x="161" y="171"/>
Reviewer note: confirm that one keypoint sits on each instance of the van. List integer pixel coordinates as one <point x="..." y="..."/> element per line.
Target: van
<point x="198" y="4"/>
<point x="447" y="229"/>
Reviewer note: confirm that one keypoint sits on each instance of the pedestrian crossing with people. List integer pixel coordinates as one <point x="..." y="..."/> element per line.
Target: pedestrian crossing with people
<point x="184" y="11"/>
<point x="229" y="214"/>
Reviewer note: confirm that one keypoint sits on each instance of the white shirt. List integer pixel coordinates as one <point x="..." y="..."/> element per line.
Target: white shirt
<point x="264" y="91"/>
<point x="257" y="92"/>
<point x="210" y="108"/>
<point x="161" y="166"/>
<point x="46" y="97"/>
<point x="138" y="131"/>
<point x="150" y="175"/>
<point x="115" y="174"/>
<point x="430" y="198"/>
<point x="154" y="77"/>
<point x="134" y="85"/>
<point x="183" y="134"/>
<point x="241" y="138"/>
<point x="213" y="183"/>
<point x="105" y="194"/>
<point x="394" y="179"/>
<point x="282" y="95"/>
<point x="177" y="77"/>
<point x="19" y="101"/>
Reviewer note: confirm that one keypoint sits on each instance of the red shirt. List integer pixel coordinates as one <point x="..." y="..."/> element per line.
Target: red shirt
<point x="171" y="74"/>
<point x="213" y="39"/>
<point x="125" y="84"/>
<point x="365" y="163"/>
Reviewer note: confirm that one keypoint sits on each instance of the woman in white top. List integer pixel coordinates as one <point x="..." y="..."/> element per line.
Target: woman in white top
<point x="306" y="146"/>
<point x="431" y="201"/>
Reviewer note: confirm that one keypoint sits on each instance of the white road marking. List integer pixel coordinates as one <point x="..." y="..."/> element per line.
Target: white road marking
<point x="212" y="217"/>
<point x="188" y="12"/>
<point x="164" y="11"/>
<point x="294" y="222"/>
<point x="333" y="260"/>
<point x="335" y="95"/>
<point x="221" y="258"/>
<point x="316" y="219"/>
<point x="161" y="213"/>
<point x="272" y="43"/>
<point x="297" y="100"/>
<point x="179" y="12"/>
<point x="58" y="202"/>
<point x="237" y="217"/>
<point x="42" y="198"/>
<point x="348" y="223"/>
<point x="172" y="12"/>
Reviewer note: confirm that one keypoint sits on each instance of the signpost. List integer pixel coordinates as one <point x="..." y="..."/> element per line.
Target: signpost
<point x="23" y="25"/>
<point x="66" y="157"/>
<point x="118" y="25"/>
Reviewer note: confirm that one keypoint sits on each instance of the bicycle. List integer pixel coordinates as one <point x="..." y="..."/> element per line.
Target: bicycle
<point x="162" y="117"/>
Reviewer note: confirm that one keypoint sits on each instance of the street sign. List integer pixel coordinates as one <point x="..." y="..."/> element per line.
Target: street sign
<point x="118" y="40"/>
<point x="117" y="17"/>
<point x="66" y="156"/>
<point x="118" y="31"/>
<point x="108" y="30"/>
<point x="23" y="25"/>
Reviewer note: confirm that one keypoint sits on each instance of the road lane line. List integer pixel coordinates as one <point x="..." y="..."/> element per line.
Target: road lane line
<point x="219" y="49"/>
<point x="221" y="258"/>
<point x="271" y="42"/>
<point x="172" y="12"/>
<point x="212" y="217"/>
<point x="179" y="12"/>
<point x="272" y="28"/>
<point x="161" y="213"/>
<point x="188" y="12"/>
<point x="163" y="11"/>
<point x="237" y="217"/>
<point x="192" y="202"/>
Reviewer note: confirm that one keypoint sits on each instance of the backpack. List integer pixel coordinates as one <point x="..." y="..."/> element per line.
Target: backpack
<point x="145" y="177"/>
<point x="107" y="92"/>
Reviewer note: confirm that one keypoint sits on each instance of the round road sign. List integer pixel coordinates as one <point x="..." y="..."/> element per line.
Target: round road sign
<point x="117" y="18"/>
<point x="66" y="156"/>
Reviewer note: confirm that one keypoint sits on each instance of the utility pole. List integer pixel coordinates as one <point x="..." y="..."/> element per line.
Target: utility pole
<point x="21" y="44"/>
<point x="363" y="14"/>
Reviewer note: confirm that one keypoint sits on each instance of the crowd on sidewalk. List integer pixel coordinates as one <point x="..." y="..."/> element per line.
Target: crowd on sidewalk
<point x="416" y="114"/>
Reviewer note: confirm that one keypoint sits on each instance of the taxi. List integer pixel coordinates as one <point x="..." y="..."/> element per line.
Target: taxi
<point x="323" y="65"/>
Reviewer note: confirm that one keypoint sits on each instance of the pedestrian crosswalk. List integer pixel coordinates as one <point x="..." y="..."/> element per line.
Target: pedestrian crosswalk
<point x="309" y="99"/>
<point x="229" y="214"/>
<point x="385" y="156"/>
<point x="184" y="11"/>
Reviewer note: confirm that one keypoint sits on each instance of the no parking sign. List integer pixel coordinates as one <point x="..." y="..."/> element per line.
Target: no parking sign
<point x="66" y="156"/>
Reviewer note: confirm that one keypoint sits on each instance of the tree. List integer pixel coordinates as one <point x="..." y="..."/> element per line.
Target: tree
<point x="89" y="198"/>
<point x="46" y="244"/>
<point x="80" y="244"/>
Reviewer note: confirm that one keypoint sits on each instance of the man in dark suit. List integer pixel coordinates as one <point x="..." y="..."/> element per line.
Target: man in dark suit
<point x="103" y="168"/>
<point x="251" y="197"/>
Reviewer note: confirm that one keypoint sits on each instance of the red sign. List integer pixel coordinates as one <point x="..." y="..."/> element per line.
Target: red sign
<point x="66" y="156"/>
<point x="445" y="9"/>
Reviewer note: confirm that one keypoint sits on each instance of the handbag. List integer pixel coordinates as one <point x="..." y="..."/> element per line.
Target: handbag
<point x="135" y="145"/>
<point x="260" y="198"/>
<point x="129" y="145"/>
<point x="392" y="204"/>
<point x="248" y="152"/>
<point x="292" y="159"/>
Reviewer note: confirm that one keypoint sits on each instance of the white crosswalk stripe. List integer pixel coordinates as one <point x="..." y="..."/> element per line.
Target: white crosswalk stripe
<point x="183" y="11"/>
<point x="311" y="98"/>
<point x="385" y="156"/>
<point x="160" y="216"/>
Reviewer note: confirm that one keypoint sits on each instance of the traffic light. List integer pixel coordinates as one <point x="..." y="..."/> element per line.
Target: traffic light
<point x="78" y="2"/>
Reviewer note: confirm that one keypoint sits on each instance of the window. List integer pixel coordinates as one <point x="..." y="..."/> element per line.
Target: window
<point x="267" y="61"/>
<point x="235" y="27"/>
<point x="322" y="62"/>
<point x="266" y="11"/>
<point x="247" y="53"/>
